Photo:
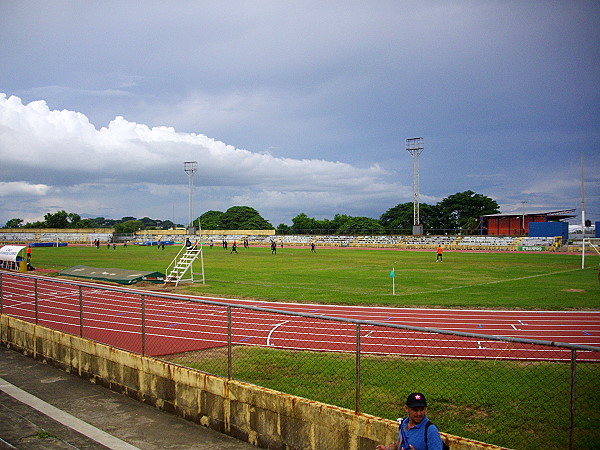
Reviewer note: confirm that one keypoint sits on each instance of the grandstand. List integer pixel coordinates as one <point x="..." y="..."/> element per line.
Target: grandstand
<point x="451" y="242"/>
<point x="378" y="241"/>
<point x="429" y="241"/>
<point x="487" y="241"/>
<point x="79" y="236"/>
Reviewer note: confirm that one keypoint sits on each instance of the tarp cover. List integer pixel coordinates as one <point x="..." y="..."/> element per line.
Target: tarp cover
<point x="121" y="276"/>
<point x="10" y="252"/>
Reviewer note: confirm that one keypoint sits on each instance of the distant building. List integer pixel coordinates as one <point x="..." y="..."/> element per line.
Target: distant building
<point x="518" y="224"/>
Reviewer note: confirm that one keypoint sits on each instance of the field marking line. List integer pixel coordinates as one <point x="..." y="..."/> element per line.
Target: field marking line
<point x="273" y="330"/>
<point x="492" y="282"/>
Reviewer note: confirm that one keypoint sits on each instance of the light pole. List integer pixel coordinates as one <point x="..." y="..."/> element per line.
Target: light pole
<point x="523" y="221"/>
<point x="414" y="146"/>
<point x="190" y="167"/>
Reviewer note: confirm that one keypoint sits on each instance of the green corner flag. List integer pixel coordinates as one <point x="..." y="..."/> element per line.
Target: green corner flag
<point x="392" y="273"/>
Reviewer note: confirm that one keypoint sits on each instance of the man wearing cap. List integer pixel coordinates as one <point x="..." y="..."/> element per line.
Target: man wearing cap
<point x="414" y="433"/>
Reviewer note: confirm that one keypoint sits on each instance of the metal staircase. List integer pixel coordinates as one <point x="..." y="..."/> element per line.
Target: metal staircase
<point x="183" y="264"/>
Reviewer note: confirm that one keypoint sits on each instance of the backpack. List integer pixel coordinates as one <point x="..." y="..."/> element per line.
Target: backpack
<point x="444" y="446"/>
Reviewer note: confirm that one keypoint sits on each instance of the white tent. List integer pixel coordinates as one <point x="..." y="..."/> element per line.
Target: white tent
<point x="12" y="255"/>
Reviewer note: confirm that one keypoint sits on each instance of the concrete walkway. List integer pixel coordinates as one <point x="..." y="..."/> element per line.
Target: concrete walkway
<point x="42" y="407"/>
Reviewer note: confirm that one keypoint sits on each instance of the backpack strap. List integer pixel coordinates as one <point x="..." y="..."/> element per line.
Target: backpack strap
<point x="444" y="446"/>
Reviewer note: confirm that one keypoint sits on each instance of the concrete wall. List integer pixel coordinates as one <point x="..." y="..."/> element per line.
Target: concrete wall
<point x="263" y="417"/>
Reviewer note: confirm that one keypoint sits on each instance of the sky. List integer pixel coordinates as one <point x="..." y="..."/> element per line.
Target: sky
<point x="296" y="106"/>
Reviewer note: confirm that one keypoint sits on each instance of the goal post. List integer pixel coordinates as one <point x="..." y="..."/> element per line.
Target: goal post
<point x="593" y="243"/>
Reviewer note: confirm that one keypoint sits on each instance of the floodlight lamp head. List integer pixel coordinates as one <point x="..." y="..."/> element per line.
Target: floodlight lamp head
<point x="190" y="167"/>
<point x="414" y="145"/>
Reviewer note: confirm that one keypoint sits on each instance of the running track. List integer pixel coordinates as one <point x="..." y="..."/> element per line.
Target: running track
<point x="175" y="325"/>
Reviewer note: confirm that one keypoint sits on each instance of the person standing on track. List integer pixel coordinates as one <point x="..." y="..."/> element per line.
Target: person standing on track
<point x="416" y="431"/>
<point x="440" y="251"/>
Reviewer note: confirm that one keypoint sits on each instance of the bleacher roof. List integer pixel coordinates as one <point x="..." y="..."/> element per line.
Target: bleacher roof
<point x="551" y="215"/>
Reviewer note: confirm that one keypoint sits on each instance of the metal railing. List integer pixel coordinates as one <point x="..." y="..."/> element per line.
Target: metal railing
<point x="506" y="391"/>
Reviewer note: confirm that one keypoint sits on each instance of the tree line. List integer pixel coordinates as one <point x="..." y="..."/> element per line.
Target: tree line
<point x="64" y="220"/>
<point x="460" y="211"/>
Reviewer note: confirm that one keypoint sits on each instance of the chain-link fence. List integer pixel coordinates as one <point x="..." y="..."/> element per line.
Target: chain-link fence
<point x="505" y="391"/>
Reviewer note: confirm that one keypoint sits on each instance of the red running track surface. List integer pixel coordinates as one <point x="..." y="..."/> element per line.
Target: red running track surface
<point x="177" y="325"/>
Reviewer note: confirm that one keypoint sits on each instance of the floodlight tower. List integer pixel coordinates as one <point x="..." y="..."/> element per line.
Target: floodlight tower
<point x="190" y="167"/>
<point x="414" y="146"/>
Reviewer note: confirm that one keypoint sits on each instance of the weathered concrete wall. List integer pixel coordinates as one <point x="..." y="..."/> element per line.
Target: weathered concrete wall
<point x="261" y="416"/>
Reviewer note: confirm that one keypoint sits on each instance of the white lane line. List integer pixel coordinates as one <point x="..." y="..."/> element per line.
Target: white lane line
<point x="65" y="418"/>
<point x="273" y="330"/>
<point x="516" y="329"/>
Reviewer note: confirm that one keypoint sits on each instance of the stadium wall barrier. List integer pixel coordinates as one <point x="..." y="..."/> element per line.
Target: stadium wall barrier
<point x="260" y="416"/>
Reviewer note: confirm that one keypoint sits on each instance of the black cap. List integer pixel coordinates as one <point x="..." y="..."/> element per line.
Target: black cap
<point x="416" y="399"/>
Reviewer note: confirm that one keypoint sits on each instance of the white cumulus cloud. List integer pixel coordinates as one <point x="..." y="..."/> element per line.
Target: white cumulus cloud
<point x="129" y="168"/>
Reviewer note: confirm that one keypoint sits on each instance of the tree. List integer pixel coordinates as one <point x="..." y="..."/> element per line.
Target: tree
<point x="302" y="224"/>
<point x="244" y="218"/>
<point x="211" y="220"/>
<point x="13" y="223"/>
<point x="400" y="217"/>
<point x="463" y="209"/>
<point x="59" y="219"/>
<point x="360" y="225"/>
<point x="38" y="224"/>
<point x="74" y="220"/>
<point x="167" y="224"/>
<point x="282" y="228"/>
<point x="128" y="227"/>
<point x="85" y="223"/>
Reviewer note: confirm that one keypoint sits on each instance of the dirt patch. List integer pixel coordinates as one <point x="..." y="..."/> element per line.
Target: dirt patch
<point x="573" y="290"/>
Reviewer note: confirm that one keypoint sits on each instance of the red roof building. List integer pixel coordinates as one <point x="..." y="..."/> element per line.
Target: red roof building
<point x="518" y="224"/>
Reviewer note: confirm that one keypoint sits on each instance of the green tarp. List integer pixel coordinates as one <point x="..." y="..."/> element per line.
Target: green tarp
<point x="122" y="276"/>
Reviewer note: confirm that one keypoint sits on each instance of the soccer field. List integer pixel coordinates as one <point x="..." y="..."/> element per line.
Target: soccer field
<point x="362" y="277"/>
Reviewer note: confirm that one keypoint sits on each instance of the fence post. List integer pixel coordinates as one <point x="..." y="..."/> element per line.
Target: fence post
<point x="35" y="296"/>
<point x="572" y="399"/>
<point x="80" y="311"/>
<point x="357" y="400"/>
<point x="143" y="299"/>
<point x="229" y="342"/>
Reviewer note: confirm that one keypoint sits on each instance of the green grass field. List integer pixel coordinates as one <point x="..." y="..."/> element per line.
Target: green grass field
<point x="361" y="277"/>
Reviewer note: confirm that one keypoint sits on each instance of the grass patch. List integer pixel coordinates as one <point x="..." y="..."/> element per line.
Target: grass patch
<point x="361" y="277"/>
<point x="507" y="403"/>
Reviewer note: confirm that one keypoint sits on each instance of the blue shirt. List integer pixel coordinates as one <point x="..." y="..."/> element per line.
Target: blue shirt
<point x="416" y="436"/>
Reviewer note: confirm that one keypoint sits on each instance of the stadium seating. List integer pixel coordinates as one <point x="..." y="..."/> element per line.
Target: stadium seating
<point x="429" y="241"/>
<point x="378" y="241"/>
<point x="477" y="242"/>
<point x="537" y="241"/>
<point x="486" y="241"/>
